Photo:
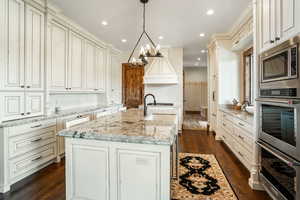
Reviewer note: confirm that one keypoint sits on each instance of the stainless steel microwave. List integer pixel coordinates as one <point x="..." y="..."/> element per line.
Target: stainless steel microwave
<point x="279" y="70"/>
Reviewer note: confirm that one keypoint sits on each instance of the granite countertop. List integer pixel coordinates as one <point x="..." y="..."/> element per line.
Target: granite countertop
<point x="129" y="126"/>
<point x="242" y="115"/>
<point x="60" y="114"/>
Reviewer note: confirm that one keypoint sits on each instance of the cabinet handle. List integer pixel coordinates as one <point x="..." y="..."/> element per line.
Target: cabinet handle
<point x="28" y="113"/>
<point x="272" y="41"/>
<point x="241" y="154"/>
<point x="28" y="86"/>
<point x="22" y="86"/>
<point x="36" y="126"/>
<point x="277" y="38"/>
<point x="242" y="138"/>
<point x="96" y="89"/>
<point x="22" y="114"/>
<point x="36" y="140"/>
<point x="241" y="124"/>
<point x="36" y="159"/>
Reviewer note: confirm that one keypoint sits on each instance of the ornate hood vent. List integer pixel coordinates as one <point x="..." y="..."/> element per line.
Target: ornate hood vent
<point x="161" y="71"/>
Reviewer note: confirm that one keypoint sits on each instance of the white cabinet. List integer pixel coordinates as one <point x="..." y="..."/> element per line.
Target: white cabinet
<point x="34" y="104"/>
<point x="90" y="66"/>
<point x="100" y="69"/>
<point x="76" y="61"/>
<point x="34" y="49"/>
<point x="23" y="64"/>
<point x="17" y="105"/>
<point x="279" y="21"/>
<point x="113" y="170"/>
<point x="12" y="45"/>
<point x="57" y="56"/>
<point x="12" y="105"/>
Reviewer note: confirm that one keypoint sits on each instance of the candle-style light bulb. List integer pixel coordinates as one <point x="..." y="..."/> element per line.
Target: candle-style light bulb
<point x="148" y="47"/>
<point x="158" y="47"/>
<point x="142" y="51"/>
<point x="133" y="60"/>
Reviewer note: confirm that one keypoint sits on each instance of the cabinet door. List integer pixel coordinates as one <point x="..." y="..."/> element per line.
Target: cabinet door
<point x="101" y="69"/>
<point x="80" y="171"/>
<point x="12" y="45"/>
<point x="76" y="62"/>
<point x="57" y="57"/>
<point x="34" y="54"/>
<point x="12" y="106"/>
<point x="90" y="66"/>
<point x="266" y="21"/>
<point x="131" y="166"/>
<point x="116" y="79"/>
<point x="287" y="23"/>
<point x="34" y="104"/>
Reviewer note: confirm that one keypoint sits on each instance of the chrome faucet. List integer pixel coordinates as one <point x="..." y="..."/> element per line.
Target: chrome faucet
<point x="145" y="104"/>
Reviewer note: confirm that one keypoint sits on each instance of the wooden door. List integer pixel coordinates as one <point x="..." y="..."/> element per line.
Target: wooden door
<point x="34" y="54"/>
<point x="133" y="86"/>
<point x="76" y="61"/>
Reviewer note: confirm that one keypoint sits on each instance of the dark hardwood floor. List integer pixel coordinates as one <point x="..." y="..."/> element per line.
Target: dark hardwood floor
<point x="49" y="183"/>
<point x="236" y="173"/>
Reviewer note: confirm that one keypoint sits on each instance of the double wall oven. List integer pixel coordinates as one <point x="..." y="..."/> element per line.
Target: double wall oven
<point x="279" y="112"/>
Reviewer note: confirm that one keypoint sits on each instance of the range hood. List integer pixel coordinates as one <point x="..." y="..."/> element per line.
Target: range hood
<point x="161" y="71"/>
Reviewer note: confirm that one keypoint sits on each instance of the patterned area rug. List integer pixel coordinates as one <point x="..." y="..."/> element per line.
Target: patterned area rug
<point x="194" y="122"/>
<point x="201" y="178"/>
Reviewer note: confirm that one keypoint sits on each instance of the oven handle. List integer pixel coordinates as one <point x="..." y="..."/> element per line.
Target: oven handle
<point x="290" y="162"/>
<point x="283" y="101"/>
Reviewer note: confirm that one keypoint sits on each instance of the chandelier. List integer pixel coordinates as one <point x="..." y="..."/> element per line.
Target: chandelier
<point x="150" y="51"/>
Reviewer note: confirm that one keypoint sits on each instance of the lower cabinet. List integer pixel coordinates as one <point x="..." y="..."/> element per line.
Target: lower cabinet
<point x="27" y="148"/>
<point x="238" y="136"/>
<point x="116" y="171"/>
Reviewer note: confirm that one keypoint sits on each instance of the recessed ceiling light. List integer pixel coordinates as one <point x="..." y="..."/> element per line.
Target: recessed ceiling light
<point x="104" y="23"/>
<point x="124" y="40"/>
<point x="198" y="59"/>
<point x="203" y="51"/>
<point x="210" y="12"/>
<point x="202" y="34"/>
<point x="161" y="37"/>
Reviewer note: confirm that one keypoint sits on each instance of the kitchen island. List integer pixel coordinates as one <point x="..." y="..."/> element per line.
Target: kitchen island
<point x="123" y="156"/>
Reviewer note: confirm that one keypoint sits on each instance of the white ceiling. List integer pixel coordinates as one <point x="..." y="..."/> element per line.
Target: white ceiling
<point x="179" y="21"/>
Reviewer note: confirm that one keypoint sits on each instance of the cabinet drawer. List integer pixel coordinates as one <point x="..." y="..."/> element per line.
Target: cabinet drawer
<point x="228" y="126"/>
<point x="101" y="114"/>
<point x="29" y="141"/>
<point x="75" y="122"/>
<point x="16" y="130"/>
<point x="243" y="138"/>
<point x="247" y="127"/>
<point x="243" y="154"/>
<point x="22" y="166"/>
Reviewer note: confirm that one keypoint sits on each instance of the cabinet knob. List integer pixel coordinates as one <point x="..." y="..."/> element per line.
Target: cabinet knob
<point x="22" y="86"/>
<point x="272" y="41"/>
<point x="277" y="38"/>
<point x="22" y="114"/>
<point x="28" y="86"/>
<point x="28" y="113"/>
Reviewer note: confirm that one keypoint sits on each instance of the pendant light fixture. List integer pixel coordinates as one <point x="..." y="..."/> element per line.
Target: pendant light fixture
<point x="151" y="50"/>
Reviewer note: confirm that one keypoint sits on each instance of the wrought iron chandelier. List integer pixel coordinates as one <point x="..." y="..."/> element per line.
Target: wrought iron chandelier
<point x="148" y="51"/>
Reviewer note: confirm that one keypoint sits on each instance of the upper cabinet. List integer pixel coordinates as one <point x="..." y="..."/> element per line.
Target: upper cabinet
<point x="23" y="47"/>
<point x="90" y="66"/>
<point x="76" y="61"/>
<point x="279" y="21"/>
<point x="12" y="69"/>
<point x="34" y="52"/>
<point x="57" y="56"/>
